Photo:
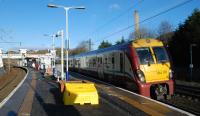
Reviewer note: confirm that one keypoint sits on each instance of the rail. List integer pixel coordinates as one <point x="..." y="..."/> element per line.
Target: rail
<point x="188" y="91"/>
<point x="16" y="88"/>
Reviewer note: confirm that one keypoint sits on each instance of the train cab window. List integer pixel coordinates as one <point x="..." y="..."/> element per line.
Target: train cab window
<point x="160" y="54"/>
<point x="145" y="55"/>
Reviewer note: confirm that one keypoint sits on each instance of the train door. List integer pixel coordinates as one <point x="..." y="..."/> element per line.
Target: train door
<point x="100" y="66"/>
<point x="119" y="67"/>
<point x="128" y="77"/>
<point x="121" y="63"/>
<point x="112" y="69"/>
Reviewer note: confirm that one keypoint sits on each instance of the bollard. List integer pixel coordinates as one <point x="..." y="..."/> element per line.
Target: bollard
<point x="80" y="92"/>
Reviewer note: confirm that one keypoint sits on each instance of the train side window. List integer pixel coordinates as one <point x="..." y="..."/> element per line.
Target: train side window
<point x="89" y="61"/>
<point x="113" y="60"/>
<point x="94" y="62"/>
<point x="106" y="60"/>
<point x="100" y="60"/>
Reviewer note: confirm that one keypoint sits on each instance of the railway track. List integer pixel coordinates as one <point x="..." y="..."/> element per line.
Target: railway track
<point x="193" y="92"/>
<point x="182" y="103"/>
<point x="186" y="98"/>
<point x="10" y="81"/>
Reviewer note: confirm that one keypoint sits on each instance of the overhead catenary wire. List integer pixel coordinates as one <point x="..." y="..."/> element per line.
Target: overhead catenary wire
<point x="147" y="19"/>
<point x="114" y="18"/>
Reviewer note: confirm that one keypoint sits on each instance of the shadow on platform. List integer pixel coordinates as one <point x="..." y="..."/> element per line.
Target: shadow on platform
<point x="48" y="100"/>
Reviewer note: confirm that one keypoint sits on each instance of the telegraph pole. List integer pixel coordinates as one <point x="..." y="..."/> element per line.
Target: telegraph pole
<point x="136" y="22"/>
<point x="191" y="63"/>
<point x="90" y="44"/>
<point x="62" y="54"/>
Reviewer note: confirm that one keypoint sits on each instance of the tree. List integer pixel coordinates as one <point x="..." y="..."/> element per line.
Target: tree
<point x="187" y="33"/>
<point x="58" y="52"/>
<point x="164" y="27"/>
<point x="81" y="48"/>
<point x="165" y="32"/>
<point x="120" y="41"/>
<point x="43" y="51"/>
<point x="104" y="44"/>
<point x="143" y="33"/>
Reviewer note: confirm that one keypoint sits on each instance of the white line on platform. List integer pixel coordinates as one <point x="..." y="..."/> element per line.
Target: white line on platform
<point x="166" y="105"/>
<point x="11" y="94"/>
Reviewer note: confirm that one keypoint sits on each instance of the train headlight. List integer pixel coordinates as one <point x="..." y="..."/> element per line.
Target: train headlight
<point x="170" y="74"/>
<point x="141" y="76"/>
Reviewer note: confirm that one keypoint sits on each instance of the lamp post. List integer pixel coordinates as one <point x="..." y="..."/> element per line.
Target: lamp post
<point x="53" y="48"/>
<point x="191" y="63"/>
<point x="67" y="33"/>
<point x="61" y="34"/>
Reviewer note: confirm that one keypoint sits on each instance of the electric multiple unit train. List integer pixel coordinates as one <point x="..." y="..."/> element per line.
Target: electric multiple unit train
<point x="141" y="65"/>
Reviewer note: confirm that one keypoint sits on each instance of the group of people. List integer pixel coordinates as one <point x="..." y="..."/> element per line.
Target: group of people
<point x="47" y="70"/>
<point x="36" y="66"/>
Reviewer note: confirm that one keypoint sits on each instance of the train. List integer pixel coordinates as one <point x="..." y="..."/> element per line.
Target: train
<point x="142" y="65"/>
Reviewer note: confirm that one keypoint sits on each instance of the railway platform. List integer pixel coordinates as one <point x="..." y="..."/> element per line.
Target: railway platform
<point x="39" y="96"/>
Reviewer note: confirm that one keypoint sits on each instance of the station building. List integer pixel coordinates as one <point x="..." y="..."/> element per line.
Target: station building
<point x="1" y="62"/>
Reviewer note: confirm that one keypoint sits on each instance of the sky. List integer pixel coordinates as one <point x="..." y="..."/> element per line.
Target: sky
<point x="27" y="21"/>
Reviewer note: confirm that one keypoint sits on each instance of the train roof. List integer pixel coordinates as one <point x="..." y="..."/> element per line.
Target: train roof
<point x="146" y="42"/>
<point x="98" y="51"/>
<point x="135" y="43"/>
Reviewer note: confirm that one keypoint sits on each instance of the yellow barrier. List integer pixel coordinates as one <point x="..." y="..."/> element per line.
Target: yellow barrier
<point x="80" y="92"/>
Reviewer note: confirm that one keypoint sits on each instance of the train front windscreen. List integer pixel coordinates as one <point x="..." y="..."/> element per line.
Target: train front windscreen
<point x="160" y="54"/>
<point x="154" y="63"/>
<point x="144" y="55"/>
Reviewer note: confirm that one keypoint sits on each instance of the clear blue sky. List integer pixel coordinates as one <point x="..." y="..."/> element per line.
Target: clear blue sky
<point x="27" y="21"/>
